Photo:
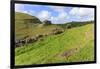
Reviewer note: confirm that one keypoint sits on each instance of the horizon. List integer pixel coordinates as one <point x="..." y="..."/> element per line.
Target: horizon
<point x="59" y="23"/>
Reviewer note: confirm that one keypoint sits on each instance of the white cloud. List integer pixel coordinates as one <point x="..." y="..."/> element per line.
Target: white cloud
<point x="62" y="15"/>
<point x="83" y="13"/>
<point x="74" y="11"/>
<point x="44" y="15"/>
<point x="61" y="18"/>
<point x="58" y="8"/>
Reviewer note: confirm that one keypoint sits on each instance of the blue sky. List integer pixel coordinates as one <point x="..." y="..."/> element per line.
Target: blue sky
<point x="56" y="14"/>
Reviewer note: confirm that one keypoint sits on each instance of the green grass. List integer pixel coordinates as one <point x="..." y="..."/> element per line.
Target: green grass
<point x="50" y="49"/>
<point x="25" y="24"/>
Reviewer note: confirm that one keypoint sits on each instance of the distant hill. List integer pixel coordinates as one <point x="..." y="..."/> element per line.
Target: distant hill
<point x="75" y="24"/>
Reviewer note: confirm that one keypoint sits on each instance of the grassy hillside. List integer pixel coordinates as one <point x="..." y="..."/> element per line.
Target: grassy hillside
<point x="73" y="45"/>
<point x="25" y="24"/>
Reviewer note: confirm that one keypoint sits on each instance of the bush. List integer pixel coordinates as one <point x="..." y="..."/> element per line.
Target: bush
<point x="68" y="26"/>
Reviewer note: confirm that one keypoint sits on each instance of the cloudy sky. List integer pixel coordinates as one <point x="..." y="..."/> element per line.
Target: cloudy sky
<point x="57" y="14"/>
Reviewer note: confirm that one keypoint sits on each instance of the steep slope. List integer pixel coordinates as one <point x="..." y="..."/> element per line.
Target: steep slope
<point x="24" y="24"/>
<point x="74" y="45"/>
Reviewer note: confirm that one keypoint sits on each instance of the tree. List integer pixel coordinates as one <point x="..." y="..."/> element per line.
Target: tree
<point x="47" y="22"/>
